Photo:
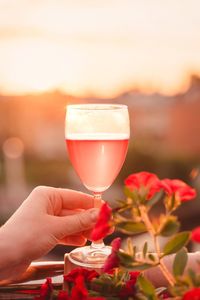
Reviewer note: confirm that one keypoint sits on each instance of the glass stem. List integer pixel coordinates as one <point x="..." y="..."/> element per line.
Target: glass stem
<point x="97" y="244"/>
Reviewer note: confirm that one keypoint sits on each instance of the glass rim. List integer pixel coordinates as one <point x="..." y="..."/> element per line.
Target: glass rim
<point x="96" y="106"/>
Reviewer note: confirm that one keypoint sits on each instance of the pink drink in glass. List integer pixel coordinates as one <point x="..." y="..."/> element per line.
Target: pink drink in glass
<point x="97" y="161"/>
<point x="97" y="140"/>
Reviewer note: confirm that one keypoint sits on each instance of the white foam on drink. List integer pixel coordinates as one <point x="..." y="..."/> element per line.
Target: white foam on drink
<point x="97" y="124"/>
<point x="97" y="136"/>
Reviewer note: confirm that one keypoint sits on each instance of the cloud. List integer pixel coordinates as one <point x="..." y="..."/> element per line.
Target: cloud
<point x="11" y="32"/>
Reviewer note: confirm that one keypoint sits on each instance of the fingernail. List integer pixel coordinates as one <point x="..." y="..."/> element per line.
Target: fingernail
<point x="94" y="214"/>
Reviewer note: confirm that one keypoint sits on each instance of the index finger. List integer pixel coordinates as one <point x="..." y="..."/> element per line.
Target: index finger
<point x="74" y="199"/>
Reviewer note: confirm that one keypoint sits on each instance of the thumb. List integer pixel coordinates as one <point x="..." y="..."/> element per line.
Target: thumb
<point x="73" y="224"/>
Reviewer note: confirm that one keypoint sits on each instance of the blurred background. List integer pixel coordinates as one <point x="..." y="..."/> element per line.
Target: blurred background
<point x="142" y="53"/>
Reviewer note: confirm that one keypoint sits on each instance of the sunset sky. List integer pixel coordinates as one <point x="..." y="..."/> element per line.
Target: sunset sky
<point x="98" y="47"/>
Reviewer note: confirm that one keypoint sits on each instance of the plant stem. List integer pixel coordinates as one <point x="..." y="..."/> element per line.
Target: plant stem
<point x="151" y="230"/>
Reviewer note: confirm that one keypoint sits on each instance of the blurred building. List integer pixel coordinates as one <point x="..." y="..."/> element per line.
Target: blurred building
<point x="170" y="123"/>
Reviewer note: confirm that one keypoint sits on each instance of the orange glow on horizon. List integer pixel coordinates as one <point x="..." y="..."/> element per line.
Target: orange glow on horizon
<point x="98" y="49"/>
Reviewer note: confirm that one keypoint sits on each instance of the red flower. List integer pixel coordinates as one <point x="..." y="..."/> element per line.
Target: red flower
<point x="128" y="289"/>
<point x="196" y="234"/>
<point x="180" y="189"/>
<point x="141" y="180"/>
<point x="79" y="290"/>
<point x="113" y="259"/>
<point x="116" y="244"/>
<point x="193" y="294"/>
<point x="102" y="226"/>
<point x="87" y="274"/>
<point x="96" y="298"/>
<point x="80" y="278"/>
<point x="45" y="290"/>
<point x="165" y="295"/>
<point x="63" y="295"/>
<point x="134" y="276"/>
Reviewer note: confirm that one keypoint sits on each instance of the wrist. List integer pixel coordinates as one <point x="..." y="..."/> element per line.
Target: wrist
<point x="11" y="258"/>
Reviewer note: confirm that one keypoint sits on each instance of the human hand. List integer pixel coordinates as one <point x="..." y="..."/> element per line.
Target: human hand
<point x="47" y="217"/>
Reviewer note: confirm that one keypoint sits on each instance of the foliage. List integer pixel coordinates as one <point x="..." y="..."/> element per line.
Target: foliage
<point x="124" y="272"/>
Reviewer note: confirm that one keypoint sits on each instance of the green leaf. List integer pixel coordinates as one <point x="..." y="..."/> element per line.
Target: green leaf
<point x="147" y="287"/>
<point x="171" y="203"/>
<point x="122" y="206"/>
<point x="129" y="262"/>
<point x="180" y="262"/>
<point x="193" y="278"/>
<point x="156" y="198"/>
<point x="142" y="195"/>
<point x="170" y="226"/>
<point x="134" y="251"/>
<point x="125" y="259"/>
<point x="140" y="266"/>
<point x="130" y="194"/>
<point x="130" y="227"/>
<point x="145" y="248"/>
<point x="151" y="257"/>
<point x="176" y="243"/>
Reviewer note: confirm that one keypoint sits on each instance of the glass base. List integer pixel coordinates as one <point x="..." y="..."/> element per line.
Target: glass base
<point x="92" y="256"/>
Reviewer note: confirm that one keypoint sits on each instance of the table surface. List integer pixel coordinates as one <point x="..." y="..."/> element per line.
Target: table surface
<point x="32" y="280"/>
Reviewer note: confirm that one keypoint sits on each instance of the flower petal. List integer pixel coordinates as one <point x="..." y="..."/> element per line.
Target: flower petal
<point x="113" y="259"/>
<point x="180" y="189"/>
<point x="196" y="234"/>
<point x="102" y="227"/>
<point x="193" y="294"/>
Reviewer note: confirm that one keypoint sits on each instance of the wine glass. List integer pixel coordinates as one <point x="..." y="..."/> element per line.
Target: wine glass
<point x="97" y="138"/>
